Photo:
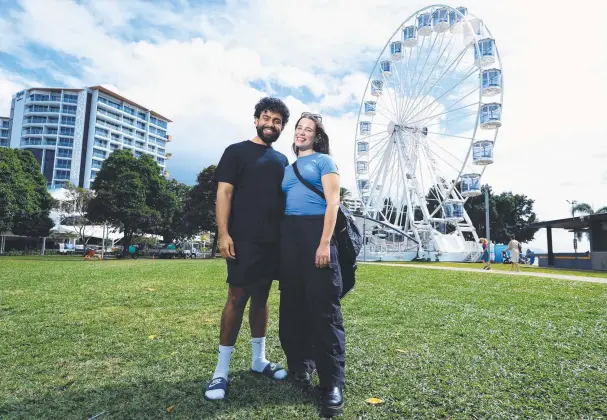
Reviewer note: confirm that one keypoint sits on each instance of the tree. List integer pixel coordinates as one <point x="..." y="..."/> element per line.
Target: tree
<point x="201" y="204"/>
<point x="73" y="211"/>
<point x="174" y="224"/>
<point x="343" y="194"/>
<point x="25" y="203"/>
<point x="130" y="194"/>
<point x="585" y="208"/>
<point x="510" y="214"/>
<point x="200" y="214"/>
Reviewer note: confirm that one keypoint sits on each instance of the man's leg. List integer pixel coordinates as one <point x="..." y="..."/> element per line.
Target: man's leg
<point x="231" y="320"/>
<point x="258" y="320"/>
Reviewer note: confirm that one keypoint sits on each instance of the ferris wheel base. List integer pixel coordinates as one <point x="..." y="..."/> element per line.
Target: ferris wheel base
<point x="430" y="256"/>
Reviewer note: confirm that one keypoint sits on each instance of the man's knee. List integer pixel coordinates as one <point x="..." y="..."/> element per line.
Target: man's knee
<point x="238" y="298"/>
<point x="259" y="295"/>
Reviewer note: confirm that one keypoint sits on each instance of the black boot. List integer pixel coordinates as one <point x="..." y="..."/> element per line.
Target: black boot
<point x="302" y="379"/>
<point x="332" y="402"/>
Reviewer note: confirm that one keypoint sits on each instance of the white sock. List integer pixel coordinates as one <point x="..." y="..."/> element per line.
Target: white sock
<point x="222" y="370"/>
<point x="259" y="361"/>
<point x="258" y="346"/>
<point x="223" y="364"/>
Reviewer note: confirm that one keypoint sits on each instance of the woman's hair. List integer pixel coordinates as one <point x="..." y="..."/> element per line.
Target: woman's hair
<point x="321" y="139"/>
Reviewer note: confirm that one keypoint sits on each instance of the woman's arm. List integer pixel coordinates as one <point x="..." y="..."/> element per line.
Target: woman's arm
<point x="330" y="185"/>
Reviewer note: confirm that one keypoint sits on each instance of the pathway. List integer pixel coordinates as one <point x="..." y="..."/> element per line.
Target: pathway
<point x="507" y="273"/>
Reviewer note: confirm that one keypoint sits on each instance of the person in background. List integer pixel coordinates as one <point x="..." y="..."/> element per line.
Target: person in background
<point x="515" y="250"/>
<point x="485" y="256"/>
<point x="250" y="206"/>
<point x="311" y="325"/>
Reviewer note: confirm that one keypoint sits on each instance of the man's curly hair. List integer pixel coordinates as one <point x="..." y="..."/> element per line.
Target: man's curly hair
<point x="273" y="105"/>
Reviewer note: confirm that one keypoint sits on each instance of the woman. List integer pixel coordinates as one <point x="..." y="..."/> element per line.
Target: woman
<point x="485" y="257"/>
<point x="311" y="325"/>
<point x="514" y="248"/>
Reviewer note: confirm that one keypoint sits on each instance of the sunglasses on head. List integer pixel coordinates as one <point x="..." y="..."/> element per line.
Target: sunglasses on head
<point x="313" y="116"/>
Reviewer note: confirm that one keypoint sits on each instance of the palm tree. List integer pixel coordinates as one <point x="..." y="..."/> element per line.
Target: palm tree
<point x="343" y="194"/>
<point x="585" y="208"/>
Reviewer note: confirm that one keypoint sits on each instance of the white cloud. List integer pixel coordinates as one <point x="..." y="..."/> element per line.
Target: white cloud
<point x="554" y="78"/>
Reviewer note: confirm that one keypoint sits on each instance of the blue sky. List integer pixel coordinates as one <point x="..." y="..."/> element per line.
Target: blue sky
<point x="205" y="65"/>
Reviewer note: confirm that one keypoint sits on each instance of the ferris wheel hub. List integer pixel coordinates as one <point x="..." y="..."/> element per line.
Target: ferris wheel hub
<point x="404" y="128"/>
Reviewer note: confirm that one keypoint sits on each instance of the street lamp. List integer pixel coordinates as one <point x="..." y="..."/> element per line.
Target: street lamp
<point x="486" y="191"/>
<point x="573" y="203"/>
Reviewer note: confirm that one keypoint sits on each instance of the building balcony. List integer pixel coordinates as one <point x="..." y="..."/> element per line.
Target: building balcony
<point x="103" y="106"/>
<point x="49" y="100"/>
<point x="40" y="112"/>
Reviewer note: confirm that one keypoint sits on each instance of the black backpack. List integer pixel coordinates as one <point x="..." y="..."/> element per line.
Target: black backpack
<point x="347" y="236"/>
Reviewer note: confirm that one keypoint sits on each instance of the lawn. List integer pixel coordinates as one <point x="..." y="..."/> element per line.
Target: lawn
<point x="138" y="339"/>
<point x="524" y="268"/>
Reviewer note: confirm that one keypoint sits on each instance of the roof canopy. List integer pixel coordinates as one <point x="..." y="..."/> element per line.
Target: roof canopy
<point x="576" y="223"/>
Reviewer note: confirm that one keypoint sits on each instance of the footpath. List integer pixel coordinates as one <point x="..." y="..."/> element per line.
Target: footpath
<point x="501" y="272"/>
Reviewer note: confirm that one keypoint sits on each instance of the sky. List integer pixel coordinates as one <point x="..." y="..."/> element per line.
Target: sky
<point x="206" y="64"/>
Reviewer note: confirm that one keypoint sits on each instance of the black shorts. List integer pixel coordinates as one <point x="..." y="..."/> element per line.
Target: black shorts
<point x="256" y="264"/>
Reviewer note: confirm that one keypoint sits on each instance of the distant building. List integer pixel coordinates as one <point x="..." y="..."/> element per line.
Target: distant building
<point x="353" y="204"/>
<point x="72" y="131"/>
<point x="4" y="137"/>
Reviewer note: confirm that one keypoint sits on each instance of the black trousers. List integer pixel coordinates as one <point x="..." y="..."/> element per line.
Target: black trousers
<point x="311" y="324"/>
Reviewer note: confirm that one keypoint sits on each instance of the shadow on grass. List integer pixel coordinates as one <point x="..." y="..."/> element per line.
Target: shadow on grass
<point x="250" y="396"/>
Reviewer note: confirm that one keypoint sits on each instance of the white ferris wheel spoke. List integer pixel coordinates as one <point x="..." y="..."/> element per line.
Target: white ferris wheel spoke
<point x="436" y="102"/>
<point x="457" y="60"/>
<point x="428" y="54"/>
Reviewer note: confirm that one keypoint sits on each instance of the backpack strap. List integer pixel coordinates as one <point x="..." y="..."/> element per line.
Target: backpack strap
<point x="306" y="183"/>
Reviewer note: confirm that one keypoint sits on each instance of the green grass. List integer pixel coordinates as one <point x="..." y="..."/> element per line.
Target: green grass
<point x="524" y="268"/>
<point x="74" y="342"/>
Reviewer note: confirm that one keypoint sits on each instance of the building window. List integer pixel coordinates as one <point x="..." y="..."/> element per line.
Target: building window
<point x="69" y="109"/>
<point x="64" y="153"/>
<point x="71" y="99"/>
<point x="60" y="174"/>
<point x="63" y="164"/>
<point x="65" y="141"/>
<point x="68" y="120"/>
<point x="99" y="154"/>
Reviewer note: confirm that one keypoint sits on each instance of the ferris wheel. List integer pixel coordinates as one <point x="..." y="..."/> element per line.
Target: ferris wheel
<point x="427" y="125"/>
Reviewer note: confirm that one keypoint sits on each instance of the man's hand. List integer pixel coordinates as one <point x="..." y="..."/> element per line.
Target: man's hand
<point x="323" y="255"/>
<point x="226" y="247"/>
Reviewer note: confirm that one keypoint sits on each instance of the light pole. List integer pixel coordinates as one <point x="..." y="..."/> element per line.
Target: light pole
<point x="573" y="203"/>
<point x="486" y="190"/>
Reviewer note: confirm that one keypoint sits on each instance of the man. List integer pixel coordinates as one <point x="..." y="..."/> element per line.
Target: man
<point x="250" y="206"/>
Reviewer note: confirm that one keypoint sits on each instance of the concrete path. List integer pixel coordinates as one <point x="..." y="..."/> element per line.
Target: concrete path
<point x="507" y="273"/>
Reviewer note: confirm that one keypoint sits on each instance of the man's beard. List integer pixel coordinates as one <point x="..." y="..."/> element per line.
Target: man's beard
<point x="267" y="139"/>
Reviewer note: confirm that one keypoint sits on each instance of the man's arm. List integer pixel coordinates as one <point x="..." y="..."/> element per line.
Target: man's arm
<point x="222" y="212"/>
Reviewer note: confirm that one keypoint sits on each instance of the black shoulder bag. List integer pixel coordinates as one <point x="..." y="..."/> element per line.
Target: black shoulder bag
<point x="347" y="237"/>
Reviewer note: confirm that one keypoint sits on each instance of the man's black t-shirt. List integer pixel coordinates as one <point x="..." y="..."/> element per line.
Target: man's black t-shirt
<point x="258" y="201"/>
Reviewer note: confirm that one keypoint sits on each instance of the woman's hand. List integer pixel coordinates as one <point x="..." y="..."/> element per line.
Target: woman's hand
<point x="323" y="255"/>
